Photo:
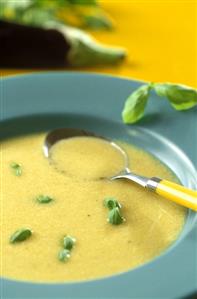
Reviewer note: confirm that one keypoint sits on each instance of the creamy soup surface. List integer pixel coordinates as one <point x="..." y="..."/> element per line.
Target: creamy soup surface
<point x="77" y="209"/>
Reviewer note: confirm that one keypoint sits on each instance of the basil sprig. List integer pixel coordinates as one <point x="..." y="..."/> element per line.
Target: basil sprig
<point x="181" y="97"/>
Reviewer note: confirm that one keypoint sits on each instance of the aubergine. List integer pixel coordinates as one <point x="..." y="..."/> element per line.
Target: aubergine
<point x="55" y="45"/>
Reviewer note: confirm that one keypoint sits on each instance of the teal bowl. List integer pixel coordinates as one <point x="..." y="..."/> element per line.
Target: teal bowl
<point x="44" y="101"/>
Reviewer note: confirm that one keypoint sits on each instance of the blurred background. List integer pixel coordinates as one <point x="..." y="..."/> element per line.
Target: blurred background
<point x="159" y="37"/>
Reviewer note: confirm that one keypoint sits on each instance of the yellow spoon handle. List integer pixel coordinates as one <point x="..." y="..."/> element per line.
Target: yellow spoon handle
<point x="172" y="191"/>
<point x="178" y="194"/>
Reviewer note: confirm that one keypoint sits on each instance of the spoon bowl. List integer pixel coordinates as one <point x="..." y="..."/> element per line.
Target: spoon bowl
<point x="64" y="133"/>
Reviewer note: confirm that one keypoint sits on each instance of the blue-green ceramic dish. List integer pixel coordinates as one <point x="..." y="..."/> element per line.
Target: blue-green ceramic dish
<point x="40" y="102"/>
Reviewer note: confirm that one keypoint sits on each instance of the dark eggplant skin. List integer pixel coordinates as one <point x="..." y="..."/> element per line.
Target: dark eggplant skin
<point x="24" y="46"/>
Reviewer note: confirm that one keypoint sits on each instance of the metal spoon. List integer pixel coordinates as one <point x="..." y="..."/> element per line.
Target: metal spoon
<point x="167" y="189"/>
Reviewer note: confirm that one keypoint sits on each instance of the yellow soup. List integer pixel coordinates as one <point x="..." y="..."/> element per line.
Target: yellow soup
<point x="77" y="209"/>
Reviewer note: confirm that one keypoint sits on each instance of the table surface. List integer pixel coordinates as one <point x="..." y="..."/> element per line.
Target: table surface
<point x="160" y="37"/>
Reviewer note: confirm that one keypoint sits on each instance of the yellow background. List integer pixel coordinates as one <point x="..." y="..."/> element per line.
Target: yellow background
<point x="160" y="37"/>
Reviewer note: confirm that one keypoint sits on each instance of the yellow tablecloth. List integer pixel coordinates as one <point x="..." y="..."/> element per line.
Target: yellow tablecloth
<point x="160" y="36"/>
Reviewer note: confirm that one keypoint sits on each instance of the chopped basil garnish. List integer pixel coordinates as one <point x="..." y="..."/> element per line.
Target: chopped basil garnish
<point x="69" y="242"/>
<point x="44" y="199"/>
<point x="114" y="216"/>
<point x="111" y="203"/>
<point x="64" y="255"/>
<point x="20" y="235"/>
<point x="16" y="168"/>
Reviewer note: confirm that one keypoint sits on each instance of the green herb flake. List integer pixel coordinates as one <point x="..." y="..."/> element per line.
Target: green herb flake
<point x="64" y="255"/>
<point x="68" y="242"/>
<point x="115" y="217"/>
<point x="111" y="203"/>
<point x="20" y="235"/>
<point x="16" y="168"/>
<point x="44" y="199"/>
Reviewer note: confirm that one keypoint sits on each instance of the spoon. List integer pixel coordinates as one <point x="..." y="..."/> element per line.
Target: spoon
<point x="169" y="190"/>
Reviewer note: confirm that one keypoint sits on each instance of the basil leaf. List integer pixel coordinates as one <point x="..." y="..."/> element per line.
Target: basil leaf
<point x="17" y="170"/>
<point x="64" y="255"/>
<point x="20" y="235"/>
<point x="181" y="97"/>
<point x="135" y="105"/>
<point x="44" y="199"/>
<point x="115" y="217"/>
<point x="97" y="21"/>
<point x="82" y="2"/>
<point x="37" y="16"/>
<point x="69" y="242"/>
<point x="111" y="203"/>
<point x="17" y="4"/>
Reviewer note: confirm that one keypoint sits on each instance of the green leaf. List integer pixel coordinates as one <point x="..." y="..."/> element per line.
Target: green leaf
<point x="64" y="255"/>
<point x="83" y="2"/>
<point x="111" y="203"/>
<point x="181" y="97"/>
<point x="16" y="168"/>
<point x="135" y="104"/>
<point x="44" y="199"/>
<point x="20" y="235"/>
<point x="115" y="216"/>
<point x="17" y="4"/>
<point x="37" y="16"/>
<point x="98" y="21"/>
<point x="69" y="242"/>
